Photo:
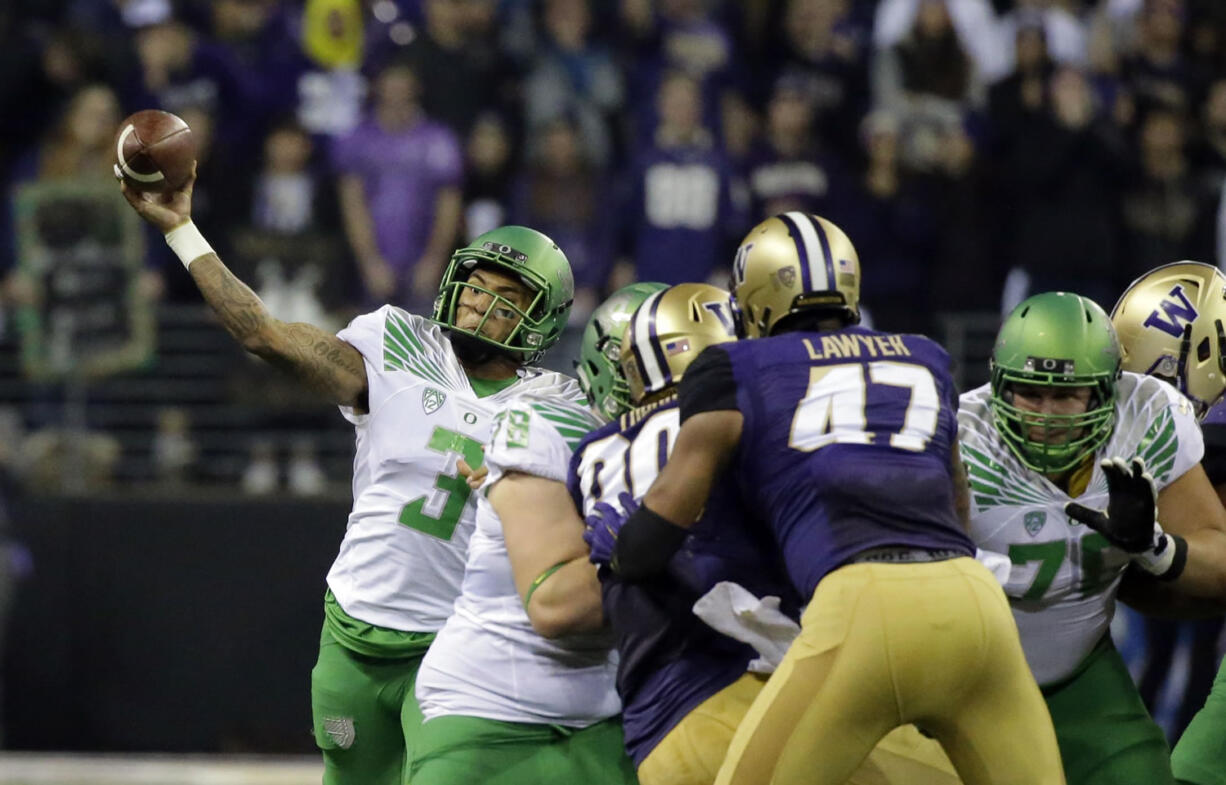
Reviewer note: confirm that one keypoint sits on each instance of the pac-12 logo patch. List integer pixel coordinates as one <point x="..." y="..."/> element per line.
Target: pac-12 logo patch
<point x="340" y="730"/>
<point x="431" y="399"/>
<point x="1033" y="521"/>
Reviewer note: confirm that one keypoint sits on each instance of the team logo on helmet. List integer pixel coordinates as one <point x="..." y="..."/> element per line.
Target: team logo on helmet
<point x="506" y="250"/>
<point x="1177" y="313"/>
<point x="1051" y="365"/>
<point x="1034" y="521"/>
<point x="432" y="399"/>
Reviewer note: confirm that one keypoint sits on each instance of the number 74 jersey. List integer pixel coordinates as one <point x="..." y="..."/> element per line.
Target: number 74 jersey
<point x="1064" y="578"/>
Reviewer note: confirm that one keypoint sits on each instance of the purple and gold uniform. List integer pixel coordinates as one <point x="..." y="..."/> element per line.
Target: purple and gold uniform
<point x="670" y="661"/>
<point x="684" y="686"/>
<point x="1213" y="426"/>
<point x="847" y="451"/>
<point x="819" y="467"/>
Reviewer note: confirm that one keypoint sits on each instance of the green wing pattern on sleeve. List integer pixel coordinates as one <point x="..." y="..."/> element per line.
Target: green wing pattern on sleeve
<point x="571" y="423"/>
<point x="1160" y="446"/>
<point x="403" y="351"/>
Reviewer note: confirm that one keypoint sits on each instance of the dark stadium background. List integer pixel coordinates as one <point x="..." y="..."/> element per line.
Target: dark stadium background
<point x="171" y="506"/>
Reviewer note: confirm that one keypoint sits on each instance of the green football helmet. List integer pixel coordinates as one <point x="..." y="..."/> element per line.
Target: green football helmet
<point x="1061" y="340"/>
<point x="533" y="258"/>
<point x="598" y="366"/>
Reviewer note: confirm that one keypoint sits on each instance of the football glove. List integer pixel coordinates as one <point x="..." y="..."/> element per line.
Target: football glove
<point x="1130" y="521"/>
<point x="601" y="527"/>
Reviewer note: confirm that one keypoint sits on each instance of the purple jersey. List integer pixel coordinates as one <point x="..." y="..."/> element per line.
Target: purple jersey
<point x="670" y="661"/>
<point x="679" y="212"/>
<point x="846" y="444"/>
<point x="1213" y="426"/>
<point x="401" y="174"/>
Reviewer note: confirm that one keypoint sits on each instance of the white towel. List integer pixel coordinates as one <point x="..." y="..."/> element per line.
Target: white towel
<point x="997" y="563"/>
<point x="738" y="613"/>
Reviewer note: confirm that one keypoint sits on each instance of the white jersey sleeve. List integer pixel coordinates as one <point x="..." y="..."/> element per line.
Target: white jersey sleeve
<point x="536" y="436"/>
<point x="1156" y="422"/>
<point x="1064" y="576"/>
<point x="395" y="343"/>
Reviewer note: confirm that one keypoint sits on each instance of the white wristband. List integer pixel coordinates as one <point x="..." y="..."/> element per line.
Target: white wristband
<point x="188" y="243"/>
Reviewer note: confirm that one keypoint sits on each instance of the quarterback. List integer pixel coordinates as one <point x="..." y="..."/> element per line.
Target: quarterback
<point x="420" y="393"/>
<point x="1072" y="465"/>
<point x="843" y="439"/>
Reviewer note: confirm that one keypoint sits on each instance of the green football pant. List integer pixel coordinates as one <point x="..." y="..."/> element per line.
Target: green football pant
<point x="456" y="749"/>
<point x="1200" y="756"/>
<point x="365" y="714"/>
<point x="1105" y="734"/>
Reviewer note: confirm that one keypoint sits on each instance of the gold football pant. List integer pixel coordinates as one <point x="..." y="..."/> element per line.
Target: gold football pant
<point x="883" y="645"/>
<point x="693" y="750"/>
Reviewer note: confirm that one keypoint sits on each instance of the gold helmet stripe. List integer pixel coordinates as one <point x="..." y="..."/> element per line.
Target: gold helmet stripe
<point x="813" y="248"/>
<point x="646" y="348"/>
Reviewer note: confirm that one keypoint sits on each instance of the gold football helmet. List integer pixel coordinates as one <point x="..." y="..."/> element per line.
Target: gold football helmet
<point x="1171" y="325"/>
<point x="793" y="263"/>
<point x="668" y="331"/>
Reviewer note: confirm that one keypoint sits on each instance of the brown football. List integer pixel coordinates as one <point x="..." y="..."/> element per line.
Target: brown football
<point x="154" y="151"/>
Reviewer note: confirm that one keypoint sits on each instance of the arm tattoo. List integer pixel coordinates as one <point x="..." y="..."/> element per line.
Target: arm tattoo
<point x="317" y="358"/>
<point x="241" y="311"/>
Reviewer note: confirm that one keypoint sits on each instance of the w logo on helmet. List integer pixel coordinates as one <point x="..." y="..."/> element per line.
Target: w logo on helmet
<point x="1178" y="310"/>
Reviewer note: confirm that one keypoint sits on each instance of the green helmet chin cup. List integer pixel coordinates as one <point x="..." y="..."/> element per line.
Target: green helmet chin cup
<point x="598" y="368"/>
<point x="533" y="259"/>
<point x="1055" y="339"/>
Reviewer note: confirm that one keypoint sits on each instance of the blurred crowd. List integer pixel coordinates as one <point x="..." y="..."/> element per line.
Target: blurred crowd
<point x="974" y="150"/>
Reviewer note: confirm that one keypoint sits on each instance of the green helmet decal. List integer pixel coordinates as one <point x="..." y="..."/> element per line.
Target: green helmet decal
<point x="598" y="367"/>
<point x="536" y="261"/>
<point x="1055" y="339"/>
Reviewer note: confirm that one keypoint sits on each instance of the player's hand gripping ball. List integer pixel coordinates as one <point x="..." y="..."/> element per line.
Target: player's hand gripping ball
<point x="154" y="151"/>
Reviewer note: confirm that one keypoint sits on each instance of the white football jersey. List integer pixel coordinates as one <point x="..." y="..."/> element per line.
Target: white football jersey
<point x="487" y="661"/>
<point x="402" y="558"/>
<point x="1064" y="578"/>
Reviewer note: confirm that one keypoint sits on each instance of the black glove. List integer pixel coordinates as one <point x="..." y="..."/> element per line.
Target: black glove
<point x="1132" y="508"/>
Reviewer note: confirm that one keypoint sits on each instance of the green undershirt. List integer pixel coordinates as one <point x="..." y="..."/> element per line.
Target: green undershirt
<point x="487" y="387"/>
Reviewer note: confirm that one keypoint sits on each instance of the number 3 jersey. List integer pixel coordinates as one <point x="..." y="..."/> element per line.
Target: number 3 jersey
<point x="402" y="558"/>
<point x="1065" y="575"/>
<point x="846" y="443"/>
<point x="488" y="661"/>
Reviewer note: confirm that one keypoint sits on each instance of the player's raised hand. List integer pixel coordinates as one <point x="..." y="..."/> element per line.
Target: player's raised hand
<point x="601" y="527"/>
<point x="165" y="210"/>
<point x="1132" y="507"/>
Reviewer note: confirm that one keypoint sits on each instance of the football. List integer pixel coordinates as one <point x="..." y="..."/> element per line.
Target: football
<point x="154" y="151"/>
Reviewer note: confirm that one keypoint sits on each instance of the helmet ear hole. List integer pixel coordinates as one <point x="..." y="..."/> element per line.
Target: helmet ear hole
<point x="1203" y="349"/>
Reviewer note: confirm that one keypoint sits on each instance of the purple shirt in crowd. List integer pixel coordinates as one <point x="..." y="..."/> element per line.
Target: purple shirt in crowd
<point x="402" y="174"/>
